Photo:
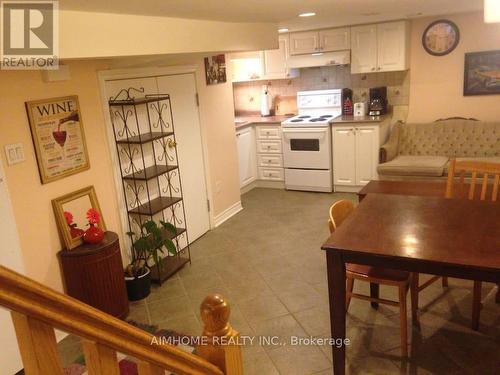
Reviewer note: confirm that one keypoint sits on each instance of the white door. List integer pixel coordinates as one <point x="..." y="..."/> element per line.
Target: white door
<point x="245" y="140"/>
<point x="366" y="154"/>
<point x="275" y="60"/>
<point x="304" y="42"/>
<point x="182" y="91"/>
<point x="392" y="46"/>
<point x="10" y="256"/>
<point x="344" y="156"/>
<point x="363" y="49"/>
<point x="335" y="39"/>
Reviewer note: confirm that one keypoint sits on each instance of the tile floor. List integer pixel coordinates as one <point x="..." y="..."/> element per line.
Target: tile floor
<point x="267" y="262"/>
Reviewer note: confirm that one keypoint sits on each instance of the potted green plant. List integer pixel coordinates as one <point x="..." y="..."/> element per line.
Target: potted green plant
<point x="147" y="247"/>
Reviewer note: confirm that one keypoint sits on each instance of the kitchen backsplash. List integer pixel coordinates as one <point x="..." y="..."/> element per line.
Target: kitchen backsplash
<point x="247" y="94"/>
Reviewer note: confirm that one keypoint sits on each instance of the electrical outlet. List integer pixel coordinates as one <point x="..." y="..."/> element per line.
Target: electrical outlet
<point x="14" y="153"/>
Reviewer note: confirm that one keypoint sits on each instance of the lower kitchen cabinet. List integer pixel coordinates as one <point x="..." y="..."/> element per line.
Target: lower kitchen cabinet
<point x="355" y="155"/>
<point x="245" y="139"/>
<point x="260" y="154"/>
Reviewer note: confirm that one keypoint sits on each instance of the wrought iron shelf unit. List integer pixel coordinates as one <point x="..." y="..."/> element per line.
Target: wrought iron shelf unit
<point x="150" y="172"/>
<point x="155" y="206"/>
<point x="144" y="138"/>
<point x="147" y="153"/>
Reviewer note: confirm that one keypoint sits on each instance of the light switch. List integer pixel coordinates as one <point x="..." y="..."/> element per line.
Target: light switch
<point x="14" y="153"/>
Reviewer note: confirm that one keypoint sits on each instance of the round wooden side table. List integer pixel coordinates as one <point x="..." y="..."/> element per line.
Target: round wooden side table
<point x="94" y="274"/>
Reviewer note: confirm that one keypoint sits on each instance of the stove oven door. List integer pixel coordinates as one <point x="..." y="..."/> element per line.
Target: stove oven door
<point x="307" y="148"/>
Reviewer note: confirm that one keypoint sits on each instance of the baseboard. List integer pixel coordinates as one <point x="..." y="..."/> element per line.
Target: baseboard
<point x="227" y="213"/>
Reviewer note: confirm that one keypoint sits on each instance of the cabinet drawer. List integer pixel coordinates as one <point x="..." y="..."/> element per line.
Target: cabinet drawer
<point x="268" y="132"/>
<point x="270" y="146"/>
<point x="276" y="174"/>
<point x="270" y="160"/>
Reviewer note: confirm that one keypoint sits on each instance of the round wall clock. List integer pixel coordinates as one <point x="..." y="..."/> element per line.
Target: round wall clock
<point x="440" y="37"/>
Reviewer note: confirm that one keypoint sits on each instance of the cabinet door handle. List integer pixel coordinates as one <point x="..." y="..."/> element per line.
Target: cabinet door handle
<point x="378" y="68"/>
<point x="373" y="69"/>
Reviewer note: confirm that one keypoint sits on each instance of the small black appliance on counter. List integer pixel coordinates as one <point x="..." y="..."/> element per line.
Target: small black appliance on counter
<point x="378" y="101"/>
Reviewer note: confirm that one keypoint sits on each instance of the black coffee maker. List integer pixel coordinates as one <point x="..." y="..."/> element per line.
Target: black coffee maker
<point x="378" y="101"/>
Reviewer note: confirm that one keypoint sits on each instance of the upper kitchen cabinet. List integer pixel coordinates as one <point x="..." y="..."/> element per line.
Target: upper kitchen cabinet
<point x="380" y="48"/>
<point x="307" y="42"/>
<point x="263" y="65"/>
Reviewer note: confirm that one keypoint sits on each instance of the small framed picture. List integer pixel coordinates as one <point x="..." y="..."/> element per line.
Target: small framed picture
<point x="215" y="69"/>
<point x="482" y="73"/>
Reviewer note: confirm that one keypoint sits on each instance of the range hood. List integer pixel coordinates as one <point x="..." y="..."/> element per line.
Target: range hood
<point x="319" y="59"/>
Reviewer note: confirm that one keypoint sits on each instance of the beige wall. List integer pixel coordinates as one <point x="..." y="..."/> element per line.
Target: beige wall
<point x="32" y="200"/>
<point x="436" y="83"/>
<point x="91" y="35"/>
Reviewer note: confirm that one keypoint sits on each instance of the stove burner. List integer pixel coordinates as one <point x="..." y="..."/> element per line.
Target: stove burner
<point x="304" y="116"/>
<point x="325" y="116"/>
<point x="317" y="119"/>
<point x="296" y="120"/>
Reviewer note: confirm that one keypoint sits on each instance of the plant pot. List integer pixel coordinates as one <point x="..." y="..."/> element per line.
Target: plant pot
<point x="138" y="287"/>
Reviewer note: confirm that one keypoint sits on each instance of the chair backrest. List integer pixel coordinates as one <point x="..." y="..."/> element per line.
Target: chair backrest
<point x="475" y="169"/>
<point x="338" y="213"/>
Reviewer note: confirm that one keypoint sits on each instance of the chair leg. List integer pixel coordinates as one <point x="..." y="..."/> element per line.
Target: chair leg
<point x="476" y="305"/>
<point x="403" y="320"/>
<point x="414" y="298"/>
<point x="374" y="293"/>
<point x="444" y="281"/>
<point x="349" y="288"/>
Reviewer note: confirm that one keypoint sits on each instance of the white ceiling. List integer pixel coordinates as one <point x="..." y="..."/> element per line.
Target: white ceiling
<point x="282" y="12"/>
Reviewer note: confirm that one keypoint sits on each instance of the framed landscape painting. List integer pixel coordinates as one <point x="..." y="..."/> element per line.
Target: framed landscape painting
<point x="482" y="73"/>
<point x="57" y="132"/>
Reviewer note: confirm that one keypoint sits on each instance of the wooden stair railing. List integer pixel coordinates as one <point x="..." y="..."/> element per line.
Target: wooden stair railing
<point x="37" y="310"/>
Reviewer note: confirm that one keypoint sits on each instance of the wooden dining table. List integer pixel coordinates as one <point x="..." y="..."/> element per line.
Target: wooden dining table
<point x="449" y="237"/>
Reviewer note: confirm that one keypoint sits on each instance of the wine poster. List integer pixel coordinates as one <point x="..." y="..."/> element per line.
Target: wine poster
<point x="58" y="137"/>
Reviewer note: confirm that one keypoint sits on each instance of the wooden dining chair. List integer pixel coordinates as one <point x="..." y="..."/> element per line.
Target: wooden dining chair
<point x="473" y="170"/>
<point x="339" y="211"/>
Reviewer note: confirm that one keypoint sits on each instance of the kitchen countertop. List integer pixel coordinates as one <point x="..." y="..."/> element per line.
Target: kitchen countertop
<point x="350" y="119"/>
<point x="243" y="120"/>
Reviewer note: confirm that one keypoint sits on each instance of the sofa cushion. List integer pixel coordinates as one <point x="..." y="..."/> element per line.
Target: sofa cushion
<point x="406" y="165"/>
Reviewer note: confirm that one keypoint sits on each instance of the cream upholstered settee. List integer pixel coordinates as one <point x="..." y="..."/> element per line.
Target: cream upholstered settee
<point x="422" y="151"/>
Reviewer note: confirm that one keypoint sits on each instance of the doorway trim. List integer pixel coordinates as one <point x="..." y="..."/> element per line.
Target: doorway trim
<point x="148" y="72"/>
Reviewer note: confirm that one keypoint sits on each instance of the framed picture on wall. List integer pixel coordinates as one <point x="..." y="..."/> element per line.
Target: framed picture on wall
<point x="482" y="73"/>
<point x="215" y="69"/>
<point x="58" y="137"/>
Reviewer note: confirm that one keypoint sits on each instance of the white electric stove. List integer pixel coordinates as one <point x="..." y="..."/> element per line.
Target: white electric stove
<point x="307" y="141"/>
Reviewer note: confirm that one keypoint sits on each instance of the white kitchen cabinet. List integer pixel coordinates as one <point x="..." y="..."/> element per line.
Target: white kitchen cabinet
<point x="355" y="155"/>
<point x="380" y="47"/>
<point x="335" y="39"/>
<point x="328" y="40"/>
<point x="344" y="157"/>
<point x="245" y="139"/>
<point x="392" y="46"/>
<point x="364" y="49"/>
<point x="304" y="42"/>
<point x="367" y="146"/>
<point x="263" y="65"/>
